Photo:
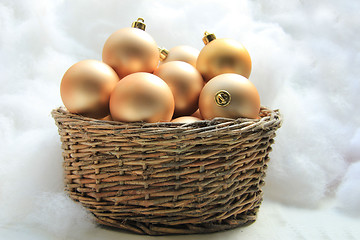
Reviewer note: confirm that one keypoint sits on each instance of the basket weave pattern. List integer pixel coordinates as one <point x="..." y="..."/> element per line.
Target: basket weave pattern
<point x="167" y="178"/>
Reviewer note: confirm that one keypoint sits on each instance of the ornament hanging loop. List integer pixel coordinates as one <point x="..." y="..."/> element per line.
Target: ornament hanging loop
<point x="163" y="53"/>
<point x="139" y="23"/>
<point x="208" y="37"/>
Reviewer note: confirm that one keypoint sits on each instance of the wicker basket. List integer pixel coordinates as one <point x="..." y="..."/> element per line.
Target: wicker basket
<point x="167" y="178"/>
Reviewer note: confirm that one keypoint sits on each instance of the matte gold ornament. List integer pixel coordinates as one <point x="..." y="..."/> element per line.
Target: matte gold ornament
<point x="186" y="119"/>
<point x="131" y="50"/>
<point x="142" y="97"/>
<point x="180" y="53"/>
<point x="197" y="114"/>
<point x="220" y="56"/>
<point x="229" y="95"/>
<point x="86" y="87"/>
<point x="185" y="83"/>
<point x="107" y="118"/>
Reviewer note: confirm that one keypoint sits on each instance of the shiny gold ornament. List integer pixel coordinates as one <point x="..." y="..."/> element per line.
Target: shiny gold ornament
<point x="142" y="97"/>
<point x="180" y="53"/>
<point x="229" y="95"/>
<point x="186" y="119"/>
<point x="185" y="83"/>
<point x="86" y="87"/>
<point x="220" y="56"/>
<point x="131" y="50"/>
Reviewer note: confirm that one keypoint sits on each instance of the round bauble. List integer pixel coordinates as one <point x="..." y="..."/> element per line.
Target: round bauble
<point x="86" y="87"/>
<point x="185" y="83"/>
<point x="197" y="114"/>
<point x="107" y="118"/>
<point x="131" y="50"/>
<point x="182" y="53"/>
<point x="142" y="97"/>
<point x="229" y="95"/>
<point x="186" y="119"/>
<point x="223" y="56"/>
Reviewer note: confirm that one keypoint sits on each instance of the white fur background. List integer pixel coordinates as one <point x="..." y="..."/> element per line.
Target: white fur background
<point x="306" y="62"/>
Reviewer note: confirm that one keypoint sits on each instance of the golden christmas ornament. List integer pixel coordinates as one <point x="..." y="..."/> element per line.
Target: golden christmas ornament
<point x="131" y="50"/>
<point x="186" y="119"/>
<point x="185" y="83"/>
<point x="229" y="95"/>
<point x="142" y="97"/>
<point x="180" y="53"/>
<point x="220" y="56"/>
<point x="107" y="118"/>
<point x="197" y="114"/>
<point x="86" y="87"/>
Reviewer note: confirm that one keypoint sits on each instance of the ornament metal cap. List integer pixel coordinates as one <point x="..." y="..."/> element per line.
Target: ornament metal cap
<point x="139" y="23"/>
<point x="208" y="37"/>
<point x="222" y="98"/>
<point x="163" y="53"/>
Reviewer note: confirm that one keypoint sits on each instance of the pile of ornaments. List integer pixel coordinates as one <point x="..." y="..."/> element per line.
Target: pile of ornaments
<point x="138" y="81"/>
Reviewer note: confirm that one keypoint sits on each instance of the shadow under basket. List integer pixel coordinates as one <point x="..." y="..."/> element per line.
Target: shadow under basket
<point x="167" y="178"/>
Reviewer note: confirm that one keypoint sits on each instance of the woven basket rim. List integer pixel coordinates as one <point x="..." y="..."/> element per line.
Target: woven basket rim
<point x="268" y="119"/>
